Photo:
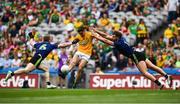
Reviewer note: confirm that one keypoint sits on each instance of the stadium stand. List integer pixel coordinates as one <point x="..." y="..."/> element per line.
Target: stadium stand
<point x="21" y="19"/>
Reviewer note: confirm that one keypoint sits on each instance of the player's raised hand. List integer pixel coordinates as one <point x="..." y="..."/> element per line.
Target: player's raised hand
<point x="63" y="45"/>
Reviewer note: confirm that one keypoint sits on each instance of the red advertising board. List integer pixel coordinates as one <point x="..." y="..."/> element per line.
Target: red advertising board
<point x="128" y="82"/>
<point x="17" y="81"/>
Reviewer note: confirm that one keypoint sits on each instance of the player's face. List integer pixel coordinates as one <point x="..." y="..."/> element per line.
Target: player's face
<point x="115" y="37"/>
<point x="81" y="33"/>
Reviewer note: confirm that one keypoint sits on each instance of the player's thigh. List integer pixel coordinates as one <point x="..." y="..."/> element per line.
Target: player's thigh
<point x="82" y="64"/>
<point x="142" y="66"/>
<point x="29" y="67"/>
<point x="75" y="59"/>
<point x="150" y="64"/>
<point x="43" y="67"/>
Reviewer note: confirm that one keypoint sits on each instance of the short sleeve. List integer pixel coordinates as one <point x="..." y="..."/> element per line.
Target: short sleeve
<point x="55" y="46"/>
<point x="35" y="45"/>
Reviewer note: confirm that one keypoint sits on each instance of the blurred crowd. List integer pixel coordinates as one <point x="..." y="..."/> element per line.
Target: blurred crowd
<point x="18" y="15"/>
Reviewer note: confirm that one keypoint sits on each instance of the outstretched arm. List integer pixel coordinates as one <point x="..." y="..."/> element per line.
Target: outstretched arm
<point x="63" y="45"/>
<point x="103" y="34"/>
<point x="97" y="36"/>
<point x="32" y="42"/>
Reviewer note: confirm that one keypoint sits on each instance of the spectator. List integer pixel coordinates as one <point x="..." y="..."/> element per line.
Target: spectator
<point x="55" y="17"/>
<point x="169" y="61"/>
<point x="92" y="21"/>
<point x="142" y="32"/>
<point x="115" y="24"/>
<point x="16" y="62"/>
<point x="85" y="11"/>
<point x="137" y="11"/>
<point x="32" y="19"/>
<point x="121" y="62"/>
<point x="146" y="9"/>
<point x="174" y="28"/>
<point x="96" y="13"/>
<point x="34" y="34"/>
<point x="13" y="32"/>
<point x="7" y="62"/>
<point x="140" y="48"/>
<point x="113" y="5"/>
<point x="168" y="34"/>
<point x="177" y="63"/>
<point x="63" y="60"/>
<point x="25" y="59"/>
<point x="78" y="23"/>
<point x="161" y="43"/>
<point x="44" y="11"/>
<point x="160" y="61"/>
<point x="132" y="31"/>
<point x="152" y="58"/>
<point x="131" y="67"/>
<point x="18" y="24"/>
<point x="124" y="26"/>
<point x="104" y="20"/>
<point x="98" y="71"/>
<point x="173" y="10"/>
<point x="7" y="15"/>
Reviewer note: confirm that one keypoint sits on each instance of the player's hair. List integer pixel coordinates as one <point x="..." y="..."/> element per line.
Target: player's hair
<point x="46" y="38"/>
<point x="82" y="28"/>
<point x="117" y="33"/>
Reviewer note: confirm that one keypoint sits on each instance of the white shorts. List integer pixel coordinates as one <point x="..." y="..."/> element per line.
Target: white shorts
<point x="82" y="55"/>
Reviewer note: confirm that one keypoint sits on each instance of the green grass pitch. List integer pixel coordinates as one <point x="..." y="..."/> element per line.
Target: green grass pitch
<point x="83" y="96"/>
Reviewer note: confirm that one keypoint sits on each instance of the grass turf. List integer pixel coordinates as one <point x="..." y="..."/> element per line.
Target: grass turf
<point x="70" y="96"/>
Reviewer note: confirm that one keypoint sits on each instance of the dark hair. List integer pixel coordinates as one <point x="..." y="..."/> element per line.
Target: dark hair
<point x="141" y="20"/>
<point x="117" y="33"/>
<point x="46" y="38"/>
<point x="80" y="30"/>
